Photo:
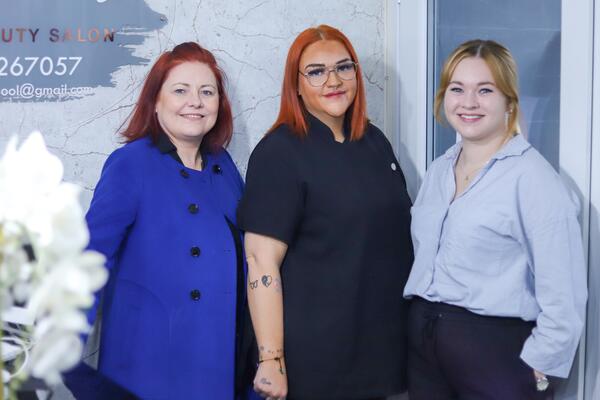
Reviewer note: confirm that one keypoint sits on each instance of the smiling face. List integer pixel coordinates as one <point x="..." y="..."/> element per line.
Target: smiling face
<point x="473" y="105"/>
<point x="188" y="103"/>
<point x="330" y="101"/>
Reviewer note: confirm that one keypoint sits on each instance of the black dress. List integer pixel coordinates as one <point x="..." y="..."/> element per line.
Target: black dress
<point x="343" y="211"/>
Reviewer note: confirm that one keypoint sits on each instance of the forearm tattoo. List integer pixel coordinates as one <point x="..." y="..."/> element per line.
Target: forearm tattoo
<point x="267" y="281"/>
<point x="264" y="352"/>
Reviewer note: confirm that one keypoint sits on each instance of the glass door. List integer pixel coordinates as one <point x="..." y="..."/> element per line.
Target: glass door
<point x="532" y="34"/>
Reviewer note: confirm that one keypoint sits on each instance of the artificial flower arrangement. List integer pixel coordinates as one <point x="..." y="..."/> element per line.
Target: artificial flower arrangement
<point x="47" y="277"/>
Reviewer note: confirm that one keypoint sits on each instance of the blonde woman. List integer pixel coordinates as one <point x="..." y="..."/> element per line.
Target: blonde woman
<point x="498" y="283"/>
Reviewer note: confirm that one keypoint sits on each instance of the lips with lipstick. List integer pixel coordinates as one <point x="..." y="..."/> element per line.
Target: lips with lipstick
<point x="335" y="94"/>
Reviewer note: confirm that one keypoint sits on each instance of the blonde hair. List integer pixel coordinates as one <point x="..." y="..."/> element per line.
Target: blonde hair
<point x="502" y="66"/>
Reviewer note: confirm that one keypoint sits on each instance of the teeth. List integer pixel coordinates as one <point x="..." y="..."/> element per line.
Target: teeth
<point x="193" y="116"/>
<point x="470" y="116"/>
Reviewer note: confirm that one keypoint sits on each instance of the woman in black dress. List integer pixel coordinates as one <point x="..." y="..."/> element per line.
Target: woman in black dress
<point x="327" y="222"/>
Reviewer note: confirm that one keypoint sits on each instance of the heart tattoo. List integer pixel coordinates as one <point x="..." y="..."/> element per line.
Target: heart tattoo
<point x="266" y="280"/>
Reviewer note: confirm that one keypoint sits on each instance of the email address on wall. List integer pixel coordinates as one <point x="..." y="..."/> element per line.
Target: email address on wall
<point x="30" y="91"/>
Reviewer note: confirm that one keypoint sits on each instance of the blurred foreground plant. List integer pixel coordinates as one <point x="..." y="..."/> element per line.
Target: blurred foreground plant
<point x="47" y="278"/>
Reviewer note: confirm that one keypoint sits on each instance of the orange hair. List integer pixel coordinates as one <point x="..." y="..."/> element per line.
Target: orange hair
<point x="292" y="110"/>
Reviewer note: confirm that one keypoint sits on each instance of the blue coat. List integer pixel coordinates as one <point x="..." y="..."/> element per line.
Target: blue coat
<point x="169" y="320"/>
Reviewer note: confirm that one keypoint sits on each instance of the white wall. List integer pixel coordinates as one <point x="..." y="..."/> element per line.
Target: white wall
<point x="250" y="38"/>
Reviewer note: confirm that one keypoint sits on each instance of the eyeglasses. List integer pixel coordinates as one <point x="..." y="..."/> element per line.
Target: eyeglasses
<point x="317" y="76"/>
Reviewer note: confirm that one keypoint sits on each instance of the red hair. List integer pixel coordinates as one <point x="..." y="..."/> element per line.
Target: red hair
<point x="143" y="121"/>
<point x="292" y="110"/>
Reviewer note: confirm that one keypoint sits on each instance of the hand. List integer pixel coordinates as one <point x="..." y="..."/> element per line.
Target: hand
<point x="271" y="380"/>
<point x="538" y="374"/>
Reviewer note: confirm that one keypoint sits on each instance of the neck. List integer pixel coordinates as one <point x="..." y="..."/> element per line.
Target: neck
<point x="338" y="131"/>
<point x="189" y="152"/>
<point x="480" y="151"/>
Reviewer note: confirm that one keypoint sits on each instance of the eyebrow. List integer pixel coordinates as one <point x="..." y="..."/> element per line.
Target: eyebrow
<point x="322" y="65"/>
<point x="478" y="84"/>
<point x="188" y="85"/>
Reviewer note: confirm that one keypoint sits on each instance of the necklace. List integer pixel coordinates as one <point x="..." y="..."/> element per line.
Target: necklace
<point x="469" y="174"/>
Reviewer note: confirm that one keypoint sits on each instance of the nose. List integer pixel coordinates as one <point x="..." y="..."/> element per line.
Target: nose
<point x="333" y="80"/>
<point x="195" y="100"/>
<point x="470" y="100"/>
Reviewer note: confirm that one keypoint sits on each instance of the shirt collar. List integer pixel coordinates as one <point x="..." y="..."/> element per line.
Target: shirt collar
<point x="516" y="146"/>
<point x="165" y="146"/>
<point x="319" y="128"/>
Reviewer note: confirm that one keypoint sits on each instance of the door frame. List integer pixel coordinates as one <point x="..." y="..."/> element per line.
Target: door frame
<point x="592" y="362"/>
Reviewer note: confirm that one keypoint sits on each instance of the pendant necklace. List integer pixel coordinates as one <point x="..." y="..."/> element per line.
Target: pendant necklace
<point x="471" y="173"/>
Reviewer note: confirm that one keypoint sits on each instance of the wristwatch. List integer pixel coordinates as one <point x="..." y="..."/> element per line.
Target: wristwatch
<point x="541" y="383"/>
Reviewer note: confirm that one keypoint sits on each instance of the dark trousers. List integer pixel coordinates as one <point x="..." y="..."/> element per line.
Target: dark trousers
<point x="456" y="354"/>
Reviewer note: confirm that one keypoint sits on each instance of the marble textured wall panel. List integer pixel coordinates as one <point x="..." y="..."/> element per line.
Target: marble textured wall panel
<point x="250" y="39"/>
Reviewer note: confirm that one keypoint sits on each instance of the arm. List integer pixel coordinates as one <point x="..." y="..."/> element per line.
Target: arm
<point x="555" y="253"/>
<point x="112" y="211"/>
<point x="265" y="299"/>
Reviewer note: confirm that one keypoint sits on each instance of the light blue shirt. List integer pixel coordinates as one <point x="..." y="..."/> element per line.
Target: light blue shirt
<point x="510" y="245"/>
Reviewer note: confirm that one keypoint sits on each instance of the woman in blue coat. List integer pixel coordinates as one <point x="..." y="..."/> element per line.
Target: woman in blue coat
<point x="163" y="213"/>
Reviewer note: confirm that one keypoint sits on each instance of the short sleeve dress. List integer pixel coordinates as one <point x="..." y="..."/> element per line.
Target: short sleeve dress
<point x="343" y="211"/>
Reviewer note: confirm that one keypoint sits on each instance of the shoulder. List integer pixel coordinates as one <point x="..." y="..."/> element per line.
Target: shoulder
<point x="535" y="170"/>
<point x="132" y="151"/>
<point x="541" y="187"/>
<point x="224" y="160"/>
<point x="439" y="165"/>
<point x="131" y="161"/>
<point x="433" y="178"/>
<point x="376" y="136"/>
<point x="222" y="156"/>
<point x="374" y="132"/>
<point x="277" y="144"/>
<point x="276" y="157"/>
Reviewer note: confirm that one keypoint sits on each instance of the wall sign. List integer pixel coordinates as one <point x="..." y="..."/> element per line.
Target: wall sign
<point x="63" y="49"/>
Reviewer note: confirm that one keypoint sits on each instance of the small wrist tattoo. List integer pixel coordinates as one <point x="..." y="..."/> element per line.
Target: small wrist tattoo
<point x="265" y="381"/>
<point x="264" y="352"/>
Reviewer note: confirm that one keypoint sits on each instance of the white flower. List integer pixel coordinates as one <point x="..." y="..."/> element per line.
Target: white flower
<point x="27" y="176"/>
<point x="70" y="283"/>
<point x="43" y="261"/>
